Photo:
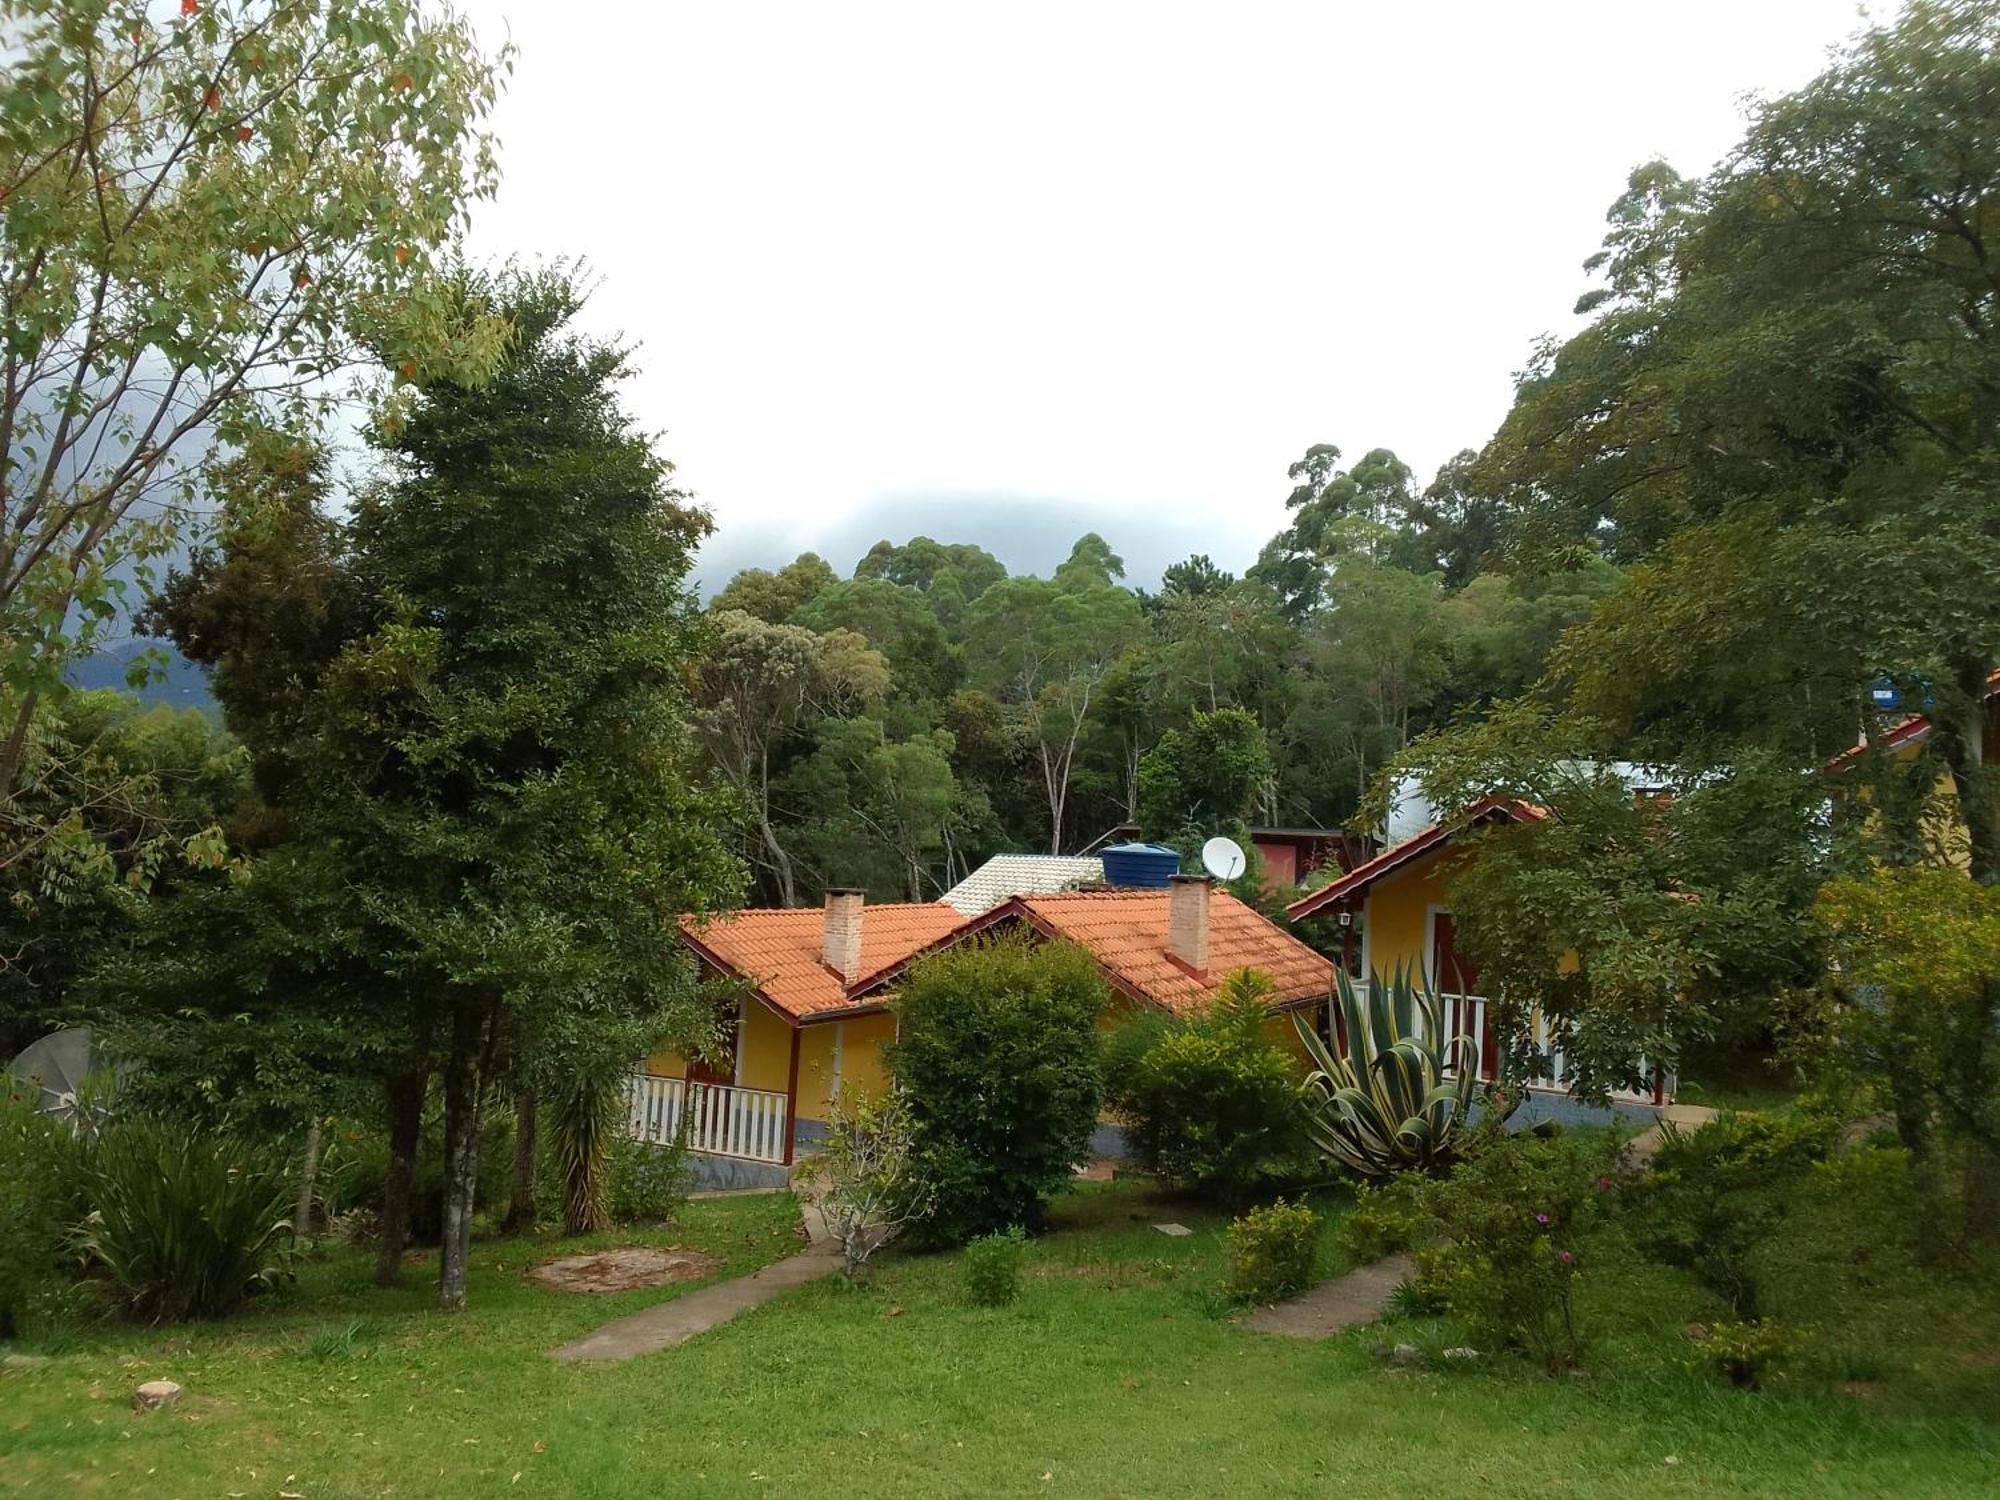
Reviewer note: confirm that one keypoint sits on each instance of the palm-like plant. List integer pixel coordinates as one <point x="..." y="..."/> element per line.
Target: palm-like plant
<point x="1395" y="1096"/>
<point x="585" y="1112"/>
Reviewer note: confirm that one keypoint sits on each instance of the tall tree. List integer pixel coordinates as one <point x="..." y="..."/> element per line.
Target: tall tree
<point x="210" y="221"/>
<point x="1802" y="352"/>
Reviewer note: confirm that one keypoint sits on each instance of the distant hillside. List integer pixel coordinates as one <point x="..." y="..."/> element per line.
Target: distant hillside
<point x="184" y="684"/>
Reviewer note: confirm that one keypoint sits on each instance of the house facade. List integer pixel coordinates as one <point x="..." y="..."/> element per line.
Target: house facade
<point x="1395" y="913"/>
<point x="816" y="992"/>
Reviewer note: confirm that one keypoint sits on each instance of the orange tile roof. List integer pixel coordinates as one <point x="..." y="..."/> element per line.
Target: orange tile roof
<point x="778" y="949"/>
<point x="1355" y="883"/>
<point x="1126" y="932"/>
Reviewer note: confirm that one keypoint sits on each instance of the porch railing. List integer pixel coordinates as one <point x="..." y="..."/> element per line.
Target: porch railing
<point x="719" y="1119"/>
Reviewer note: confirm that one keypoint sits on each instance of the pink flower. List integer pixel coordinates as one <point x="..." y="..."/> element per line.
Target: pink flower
<point x="1604" y="1184"/>
<point x="1541" y="1218"/>
<point x="1568" y="1259"/>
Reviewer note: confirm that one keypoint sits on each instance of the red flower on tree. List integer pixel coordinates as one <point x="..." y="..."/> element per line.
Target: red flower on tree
<point x="189" y="7"/>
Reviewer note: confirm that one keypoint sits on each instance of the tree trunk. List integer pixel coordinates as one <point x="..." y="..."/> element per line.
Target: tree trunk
<point x="461" y="1153"/>
<point x="406" y="1126"/>
<point x="308" y="1179"/>
<point x="521" y="1209"/>
<point x="1961" y="742"/>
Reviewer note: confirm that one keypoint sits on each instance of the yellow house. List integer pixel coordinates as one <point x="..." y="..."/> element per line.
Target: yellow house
<point x="1943" y="832"/>
<point x="817" y="990"/>
<point x="1399" y="903"/>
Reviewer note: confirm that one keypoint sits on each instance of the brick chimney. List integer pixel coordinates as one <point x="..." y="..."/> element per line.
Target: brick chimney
<point x="840" y="934"/>
<point x="1187" y="920"/>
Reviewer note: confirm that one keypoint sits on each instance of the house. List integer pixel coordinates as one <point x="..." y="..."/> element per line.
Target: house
<point x="817" y="994"/>
<point x="1903" y="740"/>
<point x="1289" y="855"/>
<point x="1395" y="912"/>
<point x="1007" y="875"/>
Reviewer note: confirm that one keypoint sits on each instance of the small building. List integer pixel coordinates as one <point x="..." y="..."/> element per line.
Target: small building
<point x="1395" y="911"/>
<point x="817" y="996"/>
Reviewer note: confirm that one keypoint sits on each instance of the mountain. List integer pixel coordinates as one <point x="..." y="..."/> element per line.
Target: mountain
<point x="183" y="685"/>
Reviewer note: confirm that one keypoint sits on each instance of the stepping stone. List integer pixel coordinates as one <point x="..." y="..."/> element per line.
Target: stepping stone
<point x="1174" y="1231"/>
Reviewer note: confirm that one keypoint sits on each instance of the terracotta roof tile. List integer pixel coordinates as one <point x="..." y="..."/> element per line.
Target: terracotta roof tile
<point x="778" y="949"/>
<point x="1357" y="880"/>
<point x="1126" y="931"/>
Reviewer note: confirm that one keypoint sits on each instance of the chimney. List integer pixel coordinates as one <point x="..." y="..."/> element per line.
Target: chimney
<point x="1187" y="920"/>
<point x="840" y="935"/>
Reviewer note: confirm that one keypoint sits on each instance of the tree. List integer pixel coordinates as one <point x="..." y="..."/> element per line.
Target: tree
<point x="759" y="686"/>
<point x="1801" y="352"/>
<point x="499" y="758"/>
<point x="775" y="597"/>
<point x="210" y="223"/>
<point x="878" y="813"/>
<point x="996" y="1051"/>
<point x="897" y="621"/>
<point x="1205" y="778"/>
<point x="1043" y="648"/>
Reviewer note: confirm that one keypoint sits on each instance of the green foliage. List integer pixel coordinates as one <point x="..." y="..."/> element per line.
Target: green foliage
<point x="210" y="220"/>
<point x="1503" y="1246"/>
<point x="1378" y="1103"/>
<point x="41" y="1196"/>
<point x="991" y="1267"/>
<point x="870" y="1173"/>
<point x="183" y="1223"/>
<point x="996" y="1047"/>
<point x="1211" y="1102"/>
<point x="1387" y="1216"/>
<point x="649" y="1180"/>
<point x="1715" y="1194"/>
<point x="582" y="1117"/>
<point x="1745" y="1352"/>
<point x="1206" y="777"/>
<point x="1272" y="1252"/>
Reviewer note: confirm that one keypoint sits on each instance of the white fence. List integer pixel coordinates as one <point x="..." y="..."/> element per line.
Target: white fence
<point x="719" y="1119"/>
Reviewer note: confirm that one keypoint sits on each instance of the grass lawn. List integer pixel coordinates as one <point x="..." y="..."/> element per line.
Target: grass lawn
<point x="1114" y="1375"/>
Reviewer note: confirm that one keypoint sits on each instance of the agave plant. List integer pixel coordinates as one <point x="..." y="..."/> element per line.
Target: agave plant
<point x="585" y="1113"/>
<point x="1383" y="1103"/>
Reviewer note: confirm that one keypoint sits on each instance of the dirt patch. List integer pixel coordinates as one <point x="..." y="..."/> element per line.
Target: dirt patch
<point x="624" y="1269"/>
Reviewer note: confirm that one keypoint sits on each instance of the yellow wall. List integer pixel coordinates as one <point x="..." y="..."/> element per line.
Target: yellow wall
<point x="1396" y="914"/>
<point x="861" y="1040"/>
<point x="765" y="1045"/>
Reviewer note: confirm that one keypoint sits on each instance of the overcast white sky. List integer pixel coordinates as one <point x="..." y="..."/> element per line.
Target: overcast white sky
<point x="1008" y="272"/>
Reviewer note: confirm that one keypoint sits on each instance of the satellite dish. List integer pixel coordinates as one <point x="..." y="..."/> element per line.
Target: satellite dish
<point x="1223" y="858"/>
<point x="58" y="1064"/>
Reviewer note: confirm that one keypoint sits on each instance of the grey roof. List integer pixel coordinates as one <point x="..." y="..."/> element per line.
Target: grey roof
<point x="1006" y="875"/>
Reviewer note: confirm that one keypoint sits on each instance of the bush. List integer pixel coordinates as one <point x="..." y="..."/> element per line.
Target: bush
<point x="649" y="1182"/>
<point x="1385" y="1218"/>
<point x="997" y="1051"/>
<point x="871" y="1178"/>
<point x="1715" y="1195"/>
<point x="1744" y="1352"/>
<point x="1212" y="1102"/>
<point x="41" y="1196"/>
<point x="1503" y="1241"/>
<point x="184" y="1225"/>
<point x="992" y="1268"/>
<point x="1272" y="1252"/>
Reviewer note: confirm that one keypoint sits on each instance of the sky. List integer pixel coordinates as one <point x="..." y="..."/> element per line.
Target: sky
<point x="1010" y="273"/>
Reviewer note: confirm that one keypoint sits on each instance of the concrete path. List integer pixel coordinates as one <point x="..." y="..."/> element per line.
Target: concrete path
<point x="678" y="1320"/>
<point x="1358" y="1297"/>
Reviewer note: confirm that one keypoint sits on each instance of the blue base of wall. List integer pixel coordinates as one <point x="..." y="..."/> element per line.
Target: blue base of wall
<point x="1544" y="1106"/>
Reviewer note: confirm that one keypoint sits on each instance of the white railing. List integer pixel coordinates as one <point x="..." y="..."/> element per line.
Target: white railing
<point x="1466" y="1014"/>
<point x="719" y="1119"/>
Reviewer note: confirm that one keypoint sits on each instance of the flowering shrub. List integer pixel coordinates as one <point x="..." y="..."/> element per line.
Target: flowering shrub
<point x="1503" y="1242"/>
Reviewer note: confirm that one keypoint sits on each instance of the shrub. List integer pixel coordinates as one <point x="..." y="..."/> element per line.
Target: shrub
<point x="1503" y="1241"/>
<point x="1378" y="1103"/>
<point x="648" y="1181"/>
<point x="991" y="1266"/>
<point x="1715" y="1194"/>
<point x="1744" y="1352"/>
<point x="1387" y="1217"/>
<point x="184" y="1225"/>
<point x="869" y="1174"/>
<point x="997" y="1050"/>
<point x="40" y="1198"/>
<point x="1272" y="1252"/>
<point x="1212" y="1102"/>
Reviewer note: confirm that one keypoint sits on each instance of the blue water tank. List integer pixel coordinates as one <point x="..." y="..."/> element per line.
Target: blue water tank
<point x="1145" y="866"/>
